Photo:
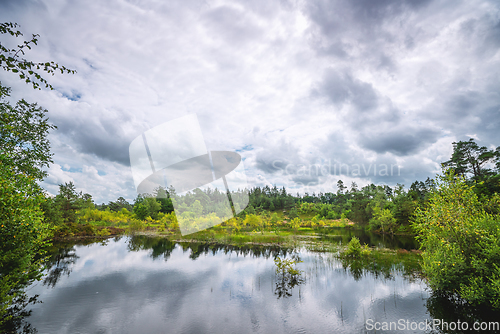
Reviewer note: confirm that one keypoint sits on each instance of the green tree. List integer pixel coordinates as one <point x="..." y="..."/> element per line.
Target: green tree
<point x="196" y="208"/>
<point x="460" y="242"/>
<point x="24" y="152"/>
<point x="340" y="187"/>
<point x="68" y="202"/>
<point x="403" y="206"/>
<point x="51" y="211"/>
<point x="383" y="219"/>
<point x="293" y="213"/>
<point x="146" y="206"/>
<point x="141" y="211"/>
<point x="468" y="157"/>
<point x="163" y="197"/>
<point x="287" y="276"/>
<point x="119" y="204"/>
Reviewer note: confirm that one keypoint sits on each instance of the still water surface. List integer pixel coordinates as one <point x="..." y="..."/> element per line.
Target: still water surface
<point x="151" y="285"/>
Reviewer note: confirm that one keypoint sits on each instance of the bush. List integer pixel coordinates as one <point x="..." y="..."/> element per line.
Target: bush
<point x="461" y="243"/>
<point x="136" y="225"/>
<point x="103" y="233"/>
<point x="22" y="237"/>
<point x="353" y="248"/>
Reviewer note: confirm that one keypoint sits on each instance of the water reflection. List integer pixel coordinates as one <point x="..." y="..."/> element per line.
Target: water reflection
<point x="17" y="315"/>
<point x="343" y="236"/>
<point x="287" y="276"/>
<point x="152" y="285"/>
<point x="384" y="263"/>
<point x="162" y="247"/>
<point x="449" y="310"/>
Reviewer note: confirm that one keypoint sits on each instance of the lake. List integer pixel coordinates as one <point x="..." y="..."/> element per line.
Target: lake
<point x="151" y="285"/>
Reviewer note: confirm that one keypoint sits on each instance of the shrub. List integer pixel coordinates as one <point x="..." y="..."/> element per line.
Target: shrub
<point x="353" y="248"/>
<point x="295" y="224"/>
<point x="103" y="233"/>
<point x="461" y="243"/>
<point x="136" y="225"/>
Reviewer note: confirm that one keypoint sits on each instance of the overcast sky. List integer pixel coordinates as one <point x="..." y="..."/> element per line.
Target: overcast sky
<point x="301" y="89"/>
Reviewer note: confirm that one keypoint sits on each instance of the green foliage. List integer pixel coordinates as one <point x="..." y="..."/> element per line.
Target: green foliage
<point x="163" y="197"/>
<point x="103" y="232"/>
<point x="295" y="224"/>
<point x="22" y="236"/>
<point x="23" y="136"/>
<point x="146" y="206"/>
<point x="461" y="243"/>
<point x="51" y="211"/>
<point x="307" y="208"/>
<point x="469" y="158"/>
<point x="314" y="221"/>
<point x="383" y="219"/>
<point x="93" y="215"/>
<point x="24" y="153"/>
<point x="286" y="266"/>
<point x="355" y="250"/>
<point x="233" y="223"/>
<point x="293" y="213"/>
<point x="287" y="276"/>
<point x="28" y="71"/>
<point x="136" y="225"/>
<point x="120" y="204"/>
<point x="382" y="262"/>
<point x="252" y="221"/>
<point x="67" y="202"/>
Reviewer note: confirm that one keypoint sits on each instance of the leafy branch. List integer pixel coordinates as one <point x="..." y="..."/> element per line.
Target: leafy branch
<point x="11" y="60"/>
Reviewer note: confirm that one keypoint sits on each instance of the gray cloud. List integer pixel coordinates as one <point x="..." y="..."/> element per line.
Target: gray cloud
<point x="400" y="141"/>
<point x="103" y="137"/>
<point x="341" y="87"/>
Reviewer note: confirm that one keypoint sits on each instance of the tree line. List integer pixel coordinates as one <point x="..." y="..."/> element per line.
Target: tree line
<point x="376" y="207"/>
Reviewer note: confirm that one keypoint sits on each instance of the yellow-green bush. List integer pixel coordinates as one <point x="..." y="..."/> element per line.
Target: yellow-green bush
<point x="136" y="225"/>
<point x="113" y="217"/>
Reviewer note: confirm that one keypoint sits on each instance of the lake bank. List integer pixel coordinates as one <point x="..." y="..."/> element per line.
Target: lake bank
<point x="320" y="237"/>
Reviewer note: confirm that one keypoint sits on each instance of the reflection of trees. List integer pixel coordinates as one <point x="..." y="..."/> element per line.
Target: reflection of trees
<point x="60" y="262"/>
<point x="62" y="257"/>
<point x="450" y="309"/>
<point x="198" y="249"/>
<point x="287" y="276"/>
<point x="372" y="239"/>
<point x="159" y="246"/>
<point x="163" y="247"/>
<point x="382" y="263"/>
<point x="16" y="315"/>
